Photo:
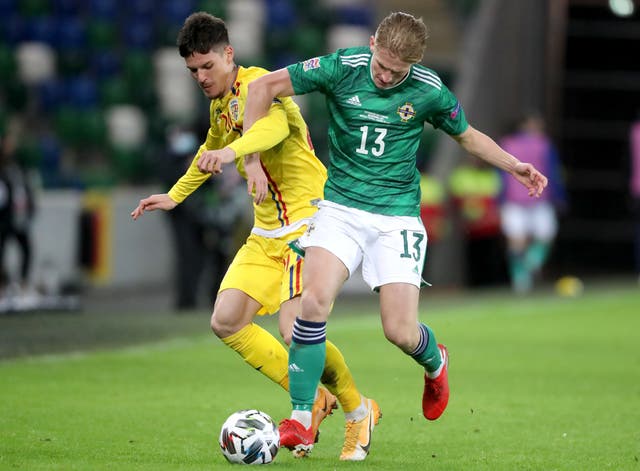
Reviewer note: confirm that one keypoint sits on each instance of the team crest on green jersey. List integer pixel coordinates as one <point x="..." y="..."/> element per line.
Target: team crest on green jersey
<point x="406" y="112"/>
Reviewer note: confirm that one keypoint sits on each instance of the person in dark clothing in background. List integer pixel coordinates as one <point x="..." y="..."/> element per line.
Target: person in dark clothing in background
<point x="17" y="208"/>
<point x="634" y="186"/>
<point x="202" y="233"/>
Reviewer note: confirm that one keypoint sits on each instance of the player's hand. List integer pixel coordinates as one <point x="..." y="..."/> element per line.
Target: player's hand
<point x="256" y="178"/>
<point x="211" y="161"/>
<point x="153" y="202"/>
<point x="531" y="178"/>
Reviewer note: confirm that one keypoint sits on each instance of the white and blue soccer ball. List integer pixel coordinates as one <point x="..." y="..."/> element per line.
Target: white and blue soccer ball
<point x="249" y="437"/>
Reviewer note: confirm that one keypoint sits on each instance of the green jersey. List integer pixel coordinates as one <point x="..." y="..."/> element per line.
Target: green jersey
<point x="374" y="133"/>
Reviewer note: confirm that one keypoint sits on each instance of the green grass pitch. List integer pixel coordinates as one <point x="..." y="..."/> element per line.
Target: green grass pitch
<point x="538" y="383"/>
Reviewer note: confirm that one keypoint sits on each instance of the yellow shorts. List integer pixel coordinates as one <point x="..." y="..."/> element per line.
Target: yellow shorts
<point x="267" y="270"/>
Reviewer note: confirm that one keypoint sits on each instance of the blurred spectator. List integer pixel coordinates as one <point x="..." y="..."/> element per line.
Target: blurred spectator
<point x="475" y="187"/>
<point x="634" y="139"/>
<point x="202" y="232"/>
<point x="530" y="224"/>
<point x="16" y="214"/>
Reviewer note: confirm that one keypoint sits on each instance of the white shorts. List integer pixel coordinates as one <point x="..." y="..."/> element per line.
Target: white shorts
<point x="391" y="248"/>
<point x="537" y="221"/>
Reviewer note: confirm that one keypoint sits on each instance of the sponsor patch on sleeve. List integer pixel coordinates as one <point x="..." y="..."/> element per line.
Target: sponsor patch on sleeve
<point x="455" y="111"/>
<point x="311" y="64"/>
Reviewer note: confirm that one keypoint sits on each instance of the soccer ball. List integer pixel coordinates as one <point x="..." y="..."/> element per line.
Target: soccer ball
<point x="249" y="437"/>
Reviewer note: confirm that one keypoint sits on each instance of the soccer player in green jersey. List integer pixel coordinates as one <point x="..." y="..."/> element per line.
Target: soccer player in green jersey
<point x="379" y="98"/>
<point x="265" y="275"/>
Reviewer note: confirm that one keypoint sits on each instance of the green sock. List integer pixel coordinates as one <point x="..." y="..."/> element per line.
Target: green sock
<point x="306" y="363"/>
<point x="520" y="275"/>
<point x="427" y="352"/>
<point x="537" y="254"/>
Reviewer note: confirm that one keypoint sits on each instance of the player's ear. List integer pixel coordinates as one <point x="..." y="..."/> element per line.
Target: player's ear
<point x="228" y="53"/>
<point x="372" y="42"/>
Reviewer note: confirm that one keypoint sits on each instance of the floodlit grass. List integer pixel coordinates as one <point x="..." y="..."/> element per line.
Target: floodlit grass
<point x="540" y="383"/>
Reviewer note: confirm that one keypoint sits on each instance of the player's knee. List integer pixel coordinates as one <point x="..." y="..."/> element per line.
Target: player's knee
<point x="223" y="326"/>
<point x="400" y="338"/>
<point x="286" y="336"/>
<point x="314" y="306"/>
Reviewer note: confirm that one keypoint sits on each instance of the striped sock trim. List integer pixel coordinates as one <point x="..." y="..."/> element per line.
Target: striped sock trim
<point x="309" y="333"/>
<point x="424" y="341"/>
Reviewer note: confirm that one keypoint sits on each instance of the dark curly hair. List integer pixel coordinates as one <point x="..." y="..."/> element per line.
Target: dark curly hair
<point x="201" y="33"/>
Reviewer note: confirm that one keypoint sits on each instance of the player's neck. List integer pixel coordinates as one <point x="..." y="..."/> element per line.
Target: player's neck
<point x="232" y="77"/>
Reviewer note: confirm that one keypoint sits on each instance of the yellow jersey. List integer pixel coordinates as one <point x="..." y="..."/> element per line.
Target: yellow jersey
<point x="295" y="175"/>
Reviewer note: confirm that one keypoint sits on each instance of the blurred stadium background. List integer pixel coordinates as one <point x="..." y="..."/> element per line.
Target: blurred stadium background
<point x="90" y="88"/>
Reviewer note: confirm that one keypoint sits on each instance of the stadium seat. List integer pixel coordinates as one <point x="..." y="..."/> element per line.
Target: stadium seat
<point x="71" y="34"/>
<point x="67" y="7"/>
<point x="128" y="163"/>
<point x="68" y="125"/>
<point x="81" y="92"/>
<point x="31" y="8"/>
<point x="84" y="128"/>
<point x="42" y="29"/>
<point x="8" y="8"/>
<point x="28" y="153"/>
<point x="175" y="89"/>
<point x="50" y="95"/>
<point x="251" y="12"/>
<point x="113" y="91"/>
<point x="137" y="68"/>
<point x="308" y="41"/>
<point x="50" y="151"/>
<point x="283" y="59"/>
<point x="103" y="9"/>
<point x="13" y="29"/>
<point x="102" y="34"/>
<point x="138" y="33"/>
<point x="359" y="15"/>
<point x="247" y="38"/>
<point x="278" y="41"/>
<point x="141" y="7"/>
<point x="3" y="120"/>
<point x="174" y="13"/>
<point x="281" y="15"/>
<point x="105" y="63"/>
<point x="166" y="35"/>
<point x="17" y="96"/>
<point x="94" y="128"/>
<point x="340" y="36"/>
<point x="72" y="62"/>
<point x="126" y="126"/>
<point x="215" y="7"/>
<point x="36" y="62"/>
<point x="8" y="64"/>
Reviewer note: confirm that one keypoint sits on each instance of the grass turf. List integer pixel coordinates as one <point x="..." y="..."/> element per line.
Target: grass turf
<point x="538" y="383"/>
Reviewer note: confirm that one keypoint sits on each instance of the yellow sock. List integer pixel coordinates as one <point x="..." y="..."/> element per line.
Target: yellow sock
<point x="262" y="351"/>
<point x="338" y="379"/>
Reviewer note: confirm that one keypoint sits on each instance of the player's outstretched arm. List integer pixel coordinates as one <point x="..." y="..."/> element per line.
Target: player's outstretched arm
<point x="482" y="146"/>
<point x="530" y="177"/>
<point x="211" y="161"/>
<point x="153" y="202"/>
<point x="262" y="92"/>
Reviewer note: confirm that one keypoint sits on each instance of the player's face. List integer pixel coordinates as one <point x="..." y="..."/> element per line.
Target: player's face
<point x="387" y="69"/>
<point x="212" y="71"/>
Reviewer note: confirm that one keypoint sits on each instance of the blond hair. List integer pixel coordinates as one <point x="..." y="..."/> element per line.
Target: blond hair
<point x="403" y="35"/>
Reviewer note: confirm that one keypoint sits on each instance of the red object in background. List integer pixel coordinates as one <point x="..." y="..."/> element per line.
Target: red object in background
<point x="434" y="218"/>
<point x="480" y="215"/>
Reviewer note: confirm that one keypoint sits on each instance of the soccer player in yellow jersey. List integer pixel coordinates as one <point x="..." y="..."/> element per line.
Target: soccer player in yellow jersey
<point x="265" y="275"/>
